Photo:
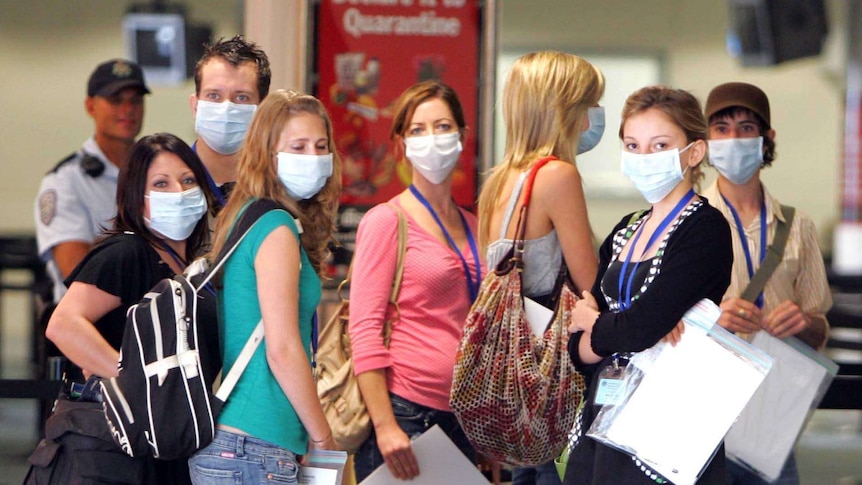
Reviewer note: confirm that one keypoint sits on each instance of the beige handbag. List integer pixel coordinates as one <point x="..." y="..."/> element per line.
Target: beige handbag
<point x="337" y="386"/>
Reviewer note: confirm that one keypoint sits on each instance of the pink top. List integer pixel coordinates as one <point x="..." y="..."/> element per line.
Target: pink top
<point x="434" y="302"/>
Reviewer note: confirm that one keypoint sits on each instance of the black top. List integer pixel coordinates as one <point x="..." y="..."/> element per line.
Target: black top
<point x="693" y="262"/>
<point x="126" y="266"/>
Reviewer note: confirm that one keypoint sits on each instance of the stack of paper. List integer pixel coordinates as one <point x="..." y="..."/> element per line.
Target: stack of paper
<point x="323" y="467"/>
<point x="440" y="461"/>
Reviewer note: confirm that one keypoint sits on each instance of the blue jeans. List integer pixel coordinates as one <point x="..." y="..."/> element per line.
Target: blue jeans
<point x="544" y="474"/>
<point x="414" y="419"/>
<point x="739" y="475"/>
<point x="234" y="459"/>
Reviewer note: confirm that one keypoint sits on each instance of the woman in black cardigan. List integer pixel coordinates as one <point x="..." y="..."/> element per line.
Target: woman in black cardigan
<point x="653" y="267"/>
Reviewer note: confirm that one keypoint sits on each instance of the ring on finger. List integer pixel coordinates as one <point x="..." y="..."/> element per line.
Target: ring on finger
<point x="741" y="313"/>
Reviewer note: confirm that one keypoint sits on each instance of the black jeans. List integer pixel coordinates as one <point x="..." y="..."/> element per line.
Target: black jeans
<point x="414" y="419"/>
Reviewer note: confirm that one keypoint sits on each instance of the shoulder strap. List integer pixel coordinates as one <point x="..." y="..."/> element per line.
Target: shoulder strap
<point x="251" y="215"/>
<point x="774" y="254"/>
<point x="520" y="232"/>
<point x="399" y="271"/>
<point x="510" y="207"/>
<point x="397" y="278"/>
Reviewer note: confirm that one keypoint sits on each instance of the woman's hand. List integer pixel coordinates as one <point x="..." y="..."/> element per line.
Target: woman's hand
<point x="585" y="314"/>
<point x="394" y="445"/>
<point x="675" y="335"/>
<point x="327" y="443"/>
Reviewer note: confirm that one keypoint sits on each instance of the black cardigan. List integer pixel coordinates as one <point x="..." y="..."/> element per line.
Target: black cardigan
<point x="696" y="264"/>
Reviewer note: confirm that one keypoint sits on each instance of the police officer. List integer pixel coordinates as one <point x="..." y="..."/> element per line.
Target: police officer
<point x="77" y="197"/>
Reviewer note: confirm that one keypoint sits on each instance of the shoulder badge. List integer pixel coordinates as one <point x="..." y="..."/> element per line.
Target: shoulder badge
<point x="48" y="206"/>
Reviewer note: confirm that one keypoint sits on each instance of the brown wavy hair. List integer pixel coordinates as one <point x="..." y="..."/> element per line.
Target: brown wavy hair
<point x="257" y="177"/>
<point x="680" y="106"/>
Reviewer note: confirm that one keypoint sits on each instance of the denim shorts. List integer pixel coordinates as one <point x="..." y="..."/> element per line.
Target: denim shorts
<point x="414" y="419"/>
<point x="234" y="459"/>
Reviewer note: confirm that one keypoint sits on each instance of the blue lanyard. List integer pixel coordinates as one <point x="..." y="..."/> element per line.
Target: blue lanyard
<point x="472" y="285"/>
<point x="181" y="263"/>
<point x="742" y="239"/>
<point x="216" y="190"/>
<point x="626" y="299"/>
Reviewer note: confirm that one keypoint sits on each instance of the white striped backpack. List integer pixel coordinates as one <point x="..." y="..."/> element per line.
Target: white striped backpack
<point x="161" y="404"/>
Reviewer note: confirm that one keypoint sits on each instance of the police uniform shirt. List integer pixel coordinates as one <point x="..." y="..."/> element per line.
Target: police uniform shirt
<point x="76" y="200"/>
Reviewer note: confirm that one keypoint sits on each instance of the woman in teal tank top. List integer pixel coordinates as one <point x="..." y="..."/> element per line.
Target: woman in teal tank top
<point x="274" y="413"/>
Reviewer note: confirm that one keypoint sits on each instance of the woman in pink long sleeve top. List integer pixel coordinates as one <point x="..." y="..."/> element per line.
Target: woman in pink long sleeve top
<point x="406" y="387"/>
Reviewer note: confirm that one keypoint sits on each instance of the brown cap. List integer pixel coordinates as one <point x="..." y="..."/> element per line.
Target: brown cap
<point x="738" y="94"/>
<point x="110" y="77"/>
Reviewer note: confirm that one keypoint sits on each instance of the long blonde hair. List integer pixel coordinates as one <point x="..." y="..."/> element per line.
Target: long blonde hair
<point x="257" y="177"/>
<point x="546" y="95"/>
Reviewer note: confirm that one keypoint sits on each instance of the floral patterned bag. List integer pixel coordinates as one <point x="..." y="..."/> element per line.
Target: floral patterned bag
<point x="515" y="395"/>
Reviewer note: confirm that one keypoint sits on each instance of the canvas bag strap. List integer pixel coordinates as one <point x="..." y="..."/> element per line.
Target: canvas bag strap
<point x="774" y="254"/>
<point x="399" y="271"/>
<point x="397" y="278"/>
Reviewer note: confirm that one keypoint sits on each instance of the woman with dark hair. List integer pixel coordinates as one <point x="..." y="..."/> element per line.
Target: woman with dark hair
<point x="160" y="226"/>
<point x="406" y="386"/>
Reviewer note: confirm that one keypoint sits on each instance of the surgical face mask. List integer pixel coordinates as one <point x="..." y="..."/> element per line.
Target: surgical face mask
<point x="175" y="214"/>
<point x="434" y="156"/>
<point x="736" y="159"/>
<point x="654" y="174"/>
<point x="223" y="125"/>
<point x="593" y="135"/>
<point x="303" y="175"/>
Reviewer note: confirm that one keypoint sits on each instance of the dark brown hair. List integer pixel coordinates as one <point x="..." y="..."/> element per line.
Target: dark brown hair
<point x="132" y="185"/>
<point x="236" y="51"/>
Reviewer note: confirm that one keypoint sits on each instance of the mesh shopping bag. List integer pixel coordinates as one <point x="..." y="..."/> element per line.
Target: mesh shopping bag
<point x="516" y="395"/>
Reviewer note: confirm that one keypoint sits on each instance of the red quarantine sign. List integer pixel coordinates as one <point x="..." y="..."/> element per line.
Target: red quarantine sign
<point x="367" y="52"/>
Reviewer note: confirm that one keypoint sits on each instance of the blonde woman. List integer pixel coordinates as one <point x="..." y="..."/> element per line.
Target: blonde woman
<point x="274" y="414"/>
<point x="547" y="103"/>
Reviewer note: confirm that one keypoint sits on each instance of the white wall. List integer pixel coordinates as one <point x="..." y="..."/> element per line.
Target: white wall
<point x="806" y="97"/>
<point x="48" y="48"/>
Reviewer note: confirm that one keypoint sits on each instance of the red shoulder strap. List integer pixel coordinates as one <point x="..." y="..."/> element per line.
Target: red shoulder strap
<point x="528" y="187"/>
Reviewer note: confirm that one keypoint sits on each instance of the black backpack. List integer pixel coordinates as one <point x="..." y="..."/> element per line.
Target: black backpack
<point x="161" y="404"/>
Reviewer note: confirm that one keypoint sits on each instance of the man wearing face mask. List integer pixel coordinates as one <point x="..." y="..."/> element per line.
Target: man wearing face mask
<point x="231" y="78"/>
<point x="796" y="296"/>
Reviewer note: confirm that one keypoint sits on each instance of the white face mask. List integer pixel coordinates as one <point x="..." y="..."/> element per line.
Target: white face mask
<point x="434" y="156"/>
<point x="654" y="174"/>
<point x="303" y="175"/>
<point x="736" y="159"/>
<point x="593" y="135"/>
<point x="223" y="125"/>
<point x="175" y="214"/>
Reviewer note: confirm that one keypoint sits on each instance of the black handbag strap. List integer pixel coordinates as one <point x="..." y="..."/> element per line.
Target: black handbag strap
<point x="774" y="254"/>
<point x="251" y="215"/>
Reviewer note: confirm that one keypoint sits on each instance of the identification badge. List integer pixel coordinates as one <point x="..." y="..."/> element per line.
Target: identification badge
<point x="611" y="387"/>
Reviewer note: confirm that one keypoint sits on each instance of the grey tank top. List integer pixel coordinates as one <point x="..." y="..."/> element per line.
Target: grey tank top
<point x="542" y="256"/>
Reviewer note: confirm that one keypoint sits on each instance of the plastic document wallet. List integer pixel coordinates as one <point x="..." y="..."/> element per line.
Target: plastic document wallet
<point x="773" y="420"/>
<point x="679" y="402"/>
